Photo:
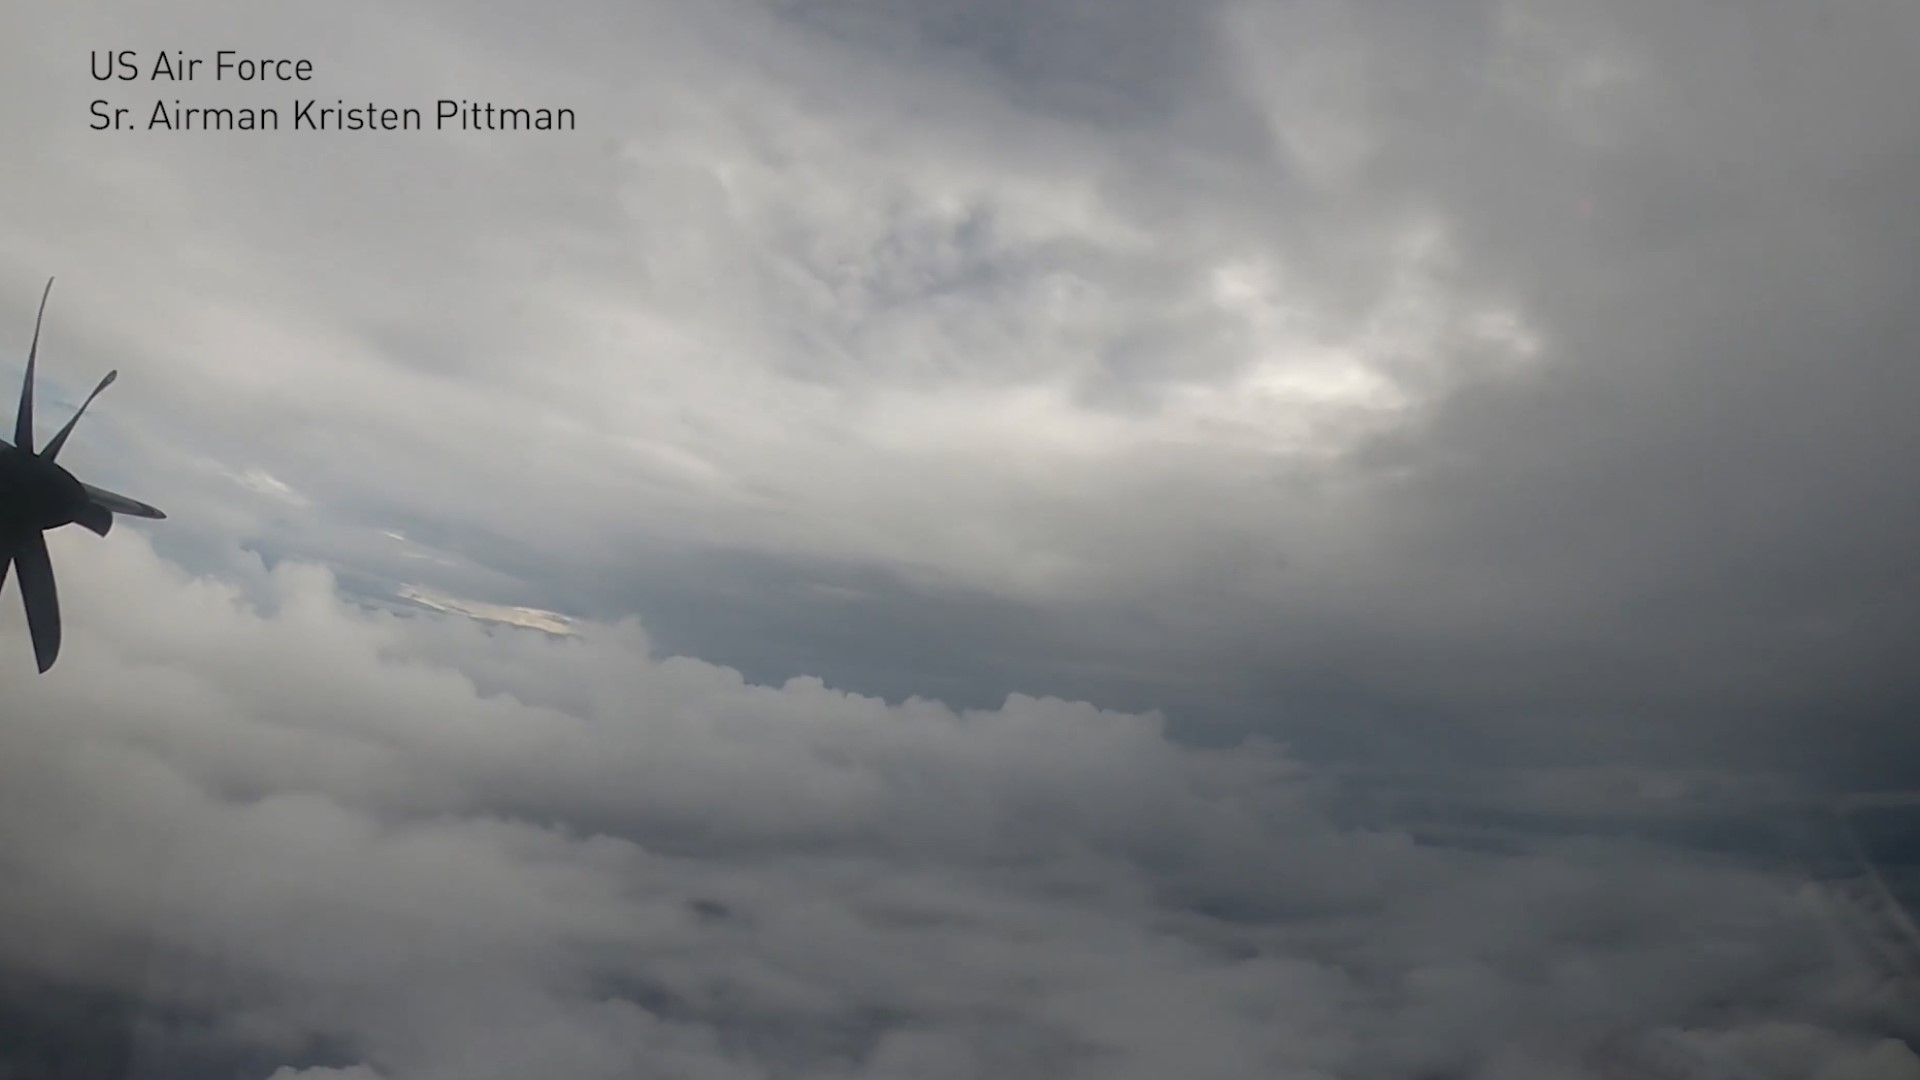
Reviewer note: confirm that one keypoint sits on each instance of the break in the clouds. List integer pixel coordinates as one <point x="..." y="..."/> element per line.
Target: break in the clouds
<point x="253" y="830"/>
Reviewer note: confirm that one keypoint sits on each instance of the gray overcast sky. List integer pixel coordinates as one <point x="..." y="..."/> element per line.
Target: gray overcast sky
<point x="1505" y="401"/>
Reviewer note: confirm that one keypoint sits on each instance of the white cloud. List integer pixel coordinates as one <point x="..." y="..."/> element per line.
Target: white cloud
<point x="450" y="850"/>
<point x="778" y="307"/>
<point x="531" y="618"/>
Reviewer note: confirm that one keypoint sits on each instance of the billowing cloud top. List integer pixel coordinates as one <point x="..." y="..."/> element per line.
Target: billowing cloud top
<point x="1464" y="448"/>
<point x="264" y="828"/>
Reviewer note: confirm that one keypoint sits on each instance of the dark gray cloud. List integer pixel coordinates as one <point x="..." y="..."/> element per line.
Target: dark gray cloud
<point x="1695" y="518"/>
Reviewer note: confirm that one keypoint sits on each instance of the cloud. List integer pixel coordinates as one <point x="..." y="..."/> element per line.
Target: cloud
<point x="531" y="618"/>
<point x="976" y="332"/>
<point x="1462" y="449"/>
<point x="282" y="826"/>
<point x="1513" y="374"/>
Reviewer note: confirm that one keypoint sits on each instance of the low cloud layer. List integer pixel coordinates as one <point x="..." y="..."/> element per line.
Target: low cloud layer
<point x="282" y="836"/>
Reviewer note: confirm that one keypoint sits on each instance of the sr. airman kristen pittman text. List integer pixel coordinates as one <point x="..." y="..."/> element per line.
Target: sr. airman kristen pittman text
<point x="311" y="114"/>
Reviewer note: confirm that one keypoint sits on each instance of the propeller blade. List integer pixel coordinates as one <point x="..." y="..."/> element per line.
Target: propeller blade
<point x="53" y="448"/>
<point x="23" y="425"/>
<point x="120" y="504"/>
<point x="6" y="560"/>
<point x="40" y="596"/>
<point x="95" y="518"/>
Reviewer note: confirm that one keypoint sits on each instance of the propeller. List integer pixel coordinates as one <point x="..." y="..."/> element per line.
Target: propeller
<point x="37" y="495"/>
<point x="23" y="425"/>
<point x="53" y="448"/>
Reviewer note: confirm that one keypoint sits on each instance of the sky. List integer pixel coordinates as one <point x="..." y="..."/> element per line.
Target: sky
<point x="1240" y="538"/>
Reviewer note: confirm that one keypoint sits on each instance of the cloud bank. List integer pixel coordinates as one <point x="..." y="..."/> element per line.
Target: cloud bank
<point x="255" y="828"/>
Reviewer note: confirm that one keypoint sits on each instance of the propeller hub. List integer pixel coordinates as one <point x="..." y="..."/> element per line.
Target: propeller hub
<point x="40" y="494"/>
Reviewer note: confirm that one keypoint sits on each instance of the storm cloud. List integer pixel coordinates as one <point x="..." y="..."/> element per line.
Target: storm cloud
<point x="1511" y="366"/>
<point x="1460" y="452"/>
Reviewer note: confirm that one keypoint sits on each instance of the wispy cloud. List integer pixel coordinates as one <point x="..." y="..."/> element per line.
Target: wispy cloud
<point x="530" y="618"/>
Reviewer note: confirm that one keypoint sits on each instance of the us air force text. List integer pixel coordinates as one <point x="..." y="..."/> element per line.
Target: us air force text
<point x="302" y="114"/>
